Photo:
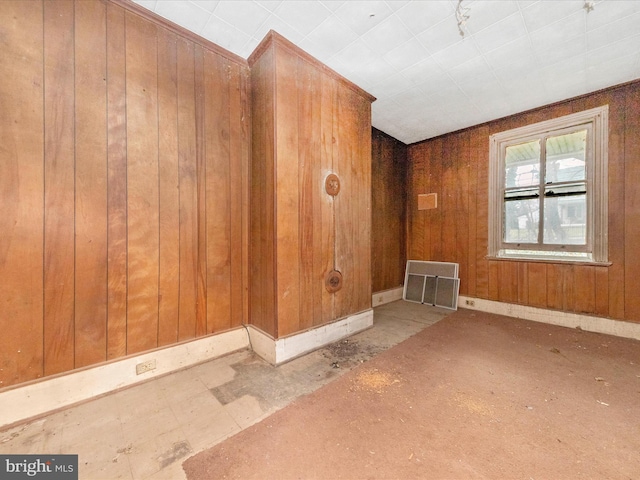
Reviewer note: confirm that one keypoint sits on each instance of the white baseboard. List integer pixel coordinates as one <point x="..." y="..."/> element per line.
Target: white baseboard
<point x="589" y="323"/>
<point x="287" y="348"/>
<point x="387" y="296"/>
<point x="42" y="396"/>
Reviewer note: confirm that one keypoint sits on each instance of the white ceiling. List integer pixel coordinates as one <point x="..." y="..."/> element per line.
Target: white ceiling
<point x="428" y="79"/>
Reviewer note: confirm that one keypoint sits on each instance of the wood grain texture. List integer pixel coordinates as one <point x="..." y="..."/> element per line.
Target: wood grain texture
<point x="187" y="171"/>
<point x="105" y="177"/>
<point x="632" y="204"/>
<point x="59" y="187"/>
<point x="327" y="202"/>
<point x="218" y="188"/>
<point x="597" y="290"/>
<point x="21" y="192"/>
<point x="142" y="185"/>
<point x="286" y="190"/>
<point x="388" y="218"/>
<point x="116" y="184"/>
<point x="169" y="190"/>
<point x="263" y="301"/>
<point x="306" y="124"/>
<point x="236" y="152"/>
<point x="91" y="183"/>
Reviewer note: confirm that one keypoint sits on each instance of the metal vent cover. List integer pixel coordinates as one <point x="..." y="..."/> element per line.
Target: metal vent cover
<point x="432" y="283"/>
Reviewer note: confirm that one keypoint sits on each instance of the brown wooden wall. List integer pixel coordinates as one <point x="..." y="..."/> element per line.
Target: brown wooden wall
<point x="307" y="123"/>
<point x="123" y="164"/>
<point x="455" y="166"/>
<point x="388" y="201"/>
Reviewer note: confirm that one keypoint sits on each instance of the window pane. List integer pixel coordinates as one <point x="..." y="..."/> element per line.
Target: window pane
<point x="565" y="220"/>
<point x="522" y="164"/>
<point x="521" y="221"/>
<point x="566" y="157"/>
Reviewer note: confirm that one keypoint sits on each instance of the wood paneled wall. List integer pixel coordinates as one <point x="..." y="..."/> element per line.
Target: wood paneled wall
<point x="307" y="123"/>
<point x="123" y="186"/>
<point x="455" y="166"/>
<point x="388" y="200"/>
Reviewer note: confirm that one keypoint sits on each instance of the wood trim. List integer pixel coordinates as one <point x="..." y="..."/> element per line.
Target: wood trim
<point x="177" y="29"/>
<point x="278" y="40"/>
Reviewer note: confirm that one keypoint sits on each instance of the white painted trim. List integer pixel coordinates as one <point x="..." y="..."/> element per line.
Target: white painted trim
<point x="589" y="323"/>
<point x="37" y="398"/>
<point x="387" y="296"/>
<point x="287" y="348"/>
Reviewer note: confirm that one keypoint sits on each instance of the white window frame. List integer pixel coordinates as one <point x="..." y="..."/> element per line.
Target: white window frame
<point x="596" y="120"/>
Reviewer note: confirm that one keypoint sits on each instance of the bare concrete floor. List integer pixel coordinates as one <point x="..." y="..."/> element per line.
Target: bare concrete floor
<point x="147" y="431"/>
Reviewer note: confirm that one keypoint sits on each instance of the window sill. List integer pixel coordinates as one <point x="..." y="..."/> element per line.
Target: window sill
<point x="557" y="261"/>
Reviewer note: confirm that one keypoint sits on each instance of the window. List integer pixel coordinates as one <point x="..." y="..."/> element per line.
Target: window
<point x="548" y="190"/>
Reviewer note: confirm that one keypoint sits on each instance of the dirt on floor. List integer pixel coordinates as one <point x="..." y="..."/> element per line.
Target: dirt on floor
<point x="474" y="396"/>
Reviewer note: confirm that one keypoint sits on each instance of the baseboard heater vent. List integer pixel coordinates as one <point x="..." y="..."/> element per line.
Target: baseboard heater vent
<point x="432" y="283"/>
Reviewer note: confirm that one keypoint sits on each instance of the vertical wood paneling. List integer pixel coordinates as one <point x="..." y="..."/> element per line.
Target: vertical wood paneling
<point x="201" y="219"/>
<point x="142" y="185"/>
<point x="344" y="154"/>
<point x="245" y="121"/>
<point x="286" y="191"/>
<point x="218" y="194"/>
<point x="169" y="215"/>
<point x="599" y="290"/>
<point x="462" y="210"/>
<point x="437" y="215"/>
<point x="482" y="213"/>
<point x="188" y="190"/>
<point x="472" y="198"/>
<point x="617" y="215"/>
<point x="537" y="283"/>
<point x="632" y="204"/>
<point x="91" y="184"/>
<point x="327" y="246"/>
<point x="362" y="217"/>
<point x="314" y="183"/>
<point x="308" y="186"/>
<point x="21" y="191"/>
<point x="263" y="302"/>
<point x="104" y="181"/>
<point x="389" y="202"/>
<point x="235" y="201"/>
<point x="116" y="185"/>
<point x="59" y="187"/>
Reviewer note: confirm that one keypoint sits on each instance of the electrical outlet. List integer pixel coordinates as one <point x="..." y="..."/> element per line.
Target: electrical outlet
<point x="145" y="366"/>
<point x="471" y="303"/>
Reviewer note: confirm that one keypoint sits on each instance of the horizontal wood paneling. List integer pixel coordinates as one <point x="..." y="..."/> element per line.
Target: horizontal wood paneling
<point x="456" y="167"/>
<point x="125" y="149"/>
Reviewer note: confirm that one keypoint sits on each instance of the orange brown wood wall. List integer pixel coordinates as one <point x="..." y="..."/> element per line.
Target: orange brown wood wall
<point x="123" y="167"/>
<point x="307" y="123"/>
<point x="455" y="166"/>
<point x="388" y="200"/>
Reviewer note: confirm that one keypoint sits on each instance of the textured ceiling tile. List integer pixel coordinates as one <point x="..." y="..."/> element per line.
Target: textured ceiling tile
<point x="304" y="16"/>
<point x="361" y="16"/>
<point x="225" y="35"/>
<point x="500" y="33"/>
<point x="441" y="35"/>
<point x="187" y="14"/>
<point x="543" y="13"/>
<point x="406" y="54"/>
<point x="245" y="15"/>
<point x="387" y="35"/>
<point x="332" y="34"/>
<point x="419" y="16"/>
<point x="485" y="13"/>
